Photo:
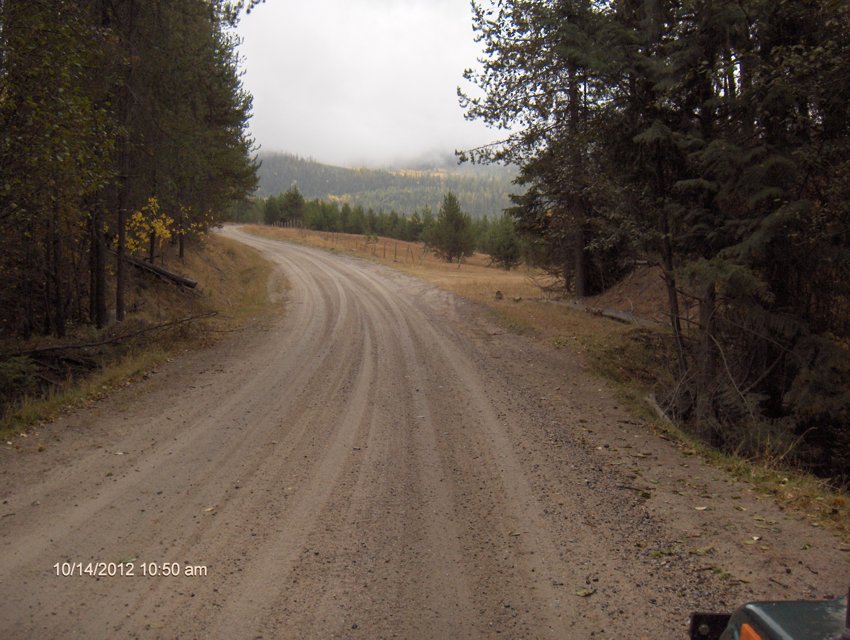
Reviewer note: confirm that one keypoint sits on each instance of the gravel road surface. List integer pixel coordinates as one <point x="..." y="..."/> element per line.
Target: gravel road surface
<point x="381" y="461"/>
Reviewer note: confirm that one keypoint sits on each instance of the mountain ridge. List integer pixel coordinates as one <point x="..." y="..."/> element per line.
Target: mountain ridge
<point x="481" y="190"/>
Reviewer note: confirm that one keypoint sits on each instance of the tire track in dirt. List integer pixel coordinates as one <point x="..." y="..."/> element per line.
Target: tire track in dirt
<point x="310" y="428"/>
<point x="378" y="463"/>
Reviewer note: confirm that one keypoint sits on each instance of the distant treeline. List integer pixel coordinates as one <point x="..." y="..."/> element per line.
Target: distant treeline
<point x="493" y="235"/>
<point x="480" y="190"/>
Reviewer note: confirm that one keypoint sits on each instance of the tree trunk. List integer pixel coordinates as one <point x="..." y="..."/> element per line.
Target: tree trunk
<point x="97" y="267"/>
<point x="120" y="273"/>
<point x="708" y="360"/>
<point x="672" y="293"/>
<point x="579" y="212"/>
<point x="29" y="293"/>
<point x="580" y="262"/>
<point x="124" y="184"/>
<point x="56" y="273"/>
<point x="46" y="277"/>
<point x="100" y="316"/>
<point x="748" y="64"/>
<point x="652" y="21"/>
<point x="729" y="65"/>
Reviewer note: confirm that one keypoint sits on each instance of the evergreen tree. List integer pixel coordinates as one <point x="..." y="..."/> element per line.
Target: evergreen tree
<point x="54" y="150"/>
<point x="710" y="139"/>
<point x="357" y="222"/>
<point x="271" y="211"/>
<point x="542" y="72"/>
<point x="502" y="243"/>
<point x="452" y="237"/>
<point x="292" y="205"/>
<point x="106" y="108"/>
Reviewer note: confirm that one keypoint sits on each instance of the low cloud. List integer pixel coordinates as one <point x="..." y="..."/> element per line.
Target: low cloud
<point x="360" y="82"/>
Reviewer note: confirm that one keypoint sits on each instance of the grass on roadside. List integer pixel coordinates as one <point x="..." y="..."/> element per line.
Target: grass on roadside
<point x="635" y="360"/>
<point x="233" y="281"/>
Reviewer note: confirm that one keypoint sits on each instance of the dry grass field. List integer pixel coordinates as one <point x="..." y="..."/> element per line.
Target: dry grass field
<point x="527" y="303"/>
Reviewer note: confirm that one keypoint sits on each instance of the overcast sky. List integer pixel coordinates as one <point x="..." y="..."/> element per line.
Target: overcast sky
<point x="360" y="82"/>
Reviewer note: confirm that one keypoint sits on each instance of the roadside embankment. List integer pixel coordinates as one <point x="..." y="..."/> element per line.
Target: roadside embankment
<point x="43" y="377"/>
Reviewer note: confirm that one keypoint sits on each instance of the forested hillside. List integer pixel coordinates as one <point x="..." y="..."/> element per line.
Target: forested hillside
<point x="123" y="125"/>
<point x="480" y="190"/>
<point x="711" y="139"/>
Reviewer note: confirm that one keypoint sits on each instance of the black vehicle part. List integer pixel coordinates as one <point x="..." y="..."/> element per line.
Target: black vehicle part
<point x="708" y="626"/>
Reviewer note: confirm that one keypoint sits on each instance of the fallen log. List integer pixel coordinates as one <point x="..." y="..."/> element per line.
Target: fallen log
<point x="176" y="278"/>
<point x="126" y="336"/>
<point x="161" y="272"/>
<point x="612" y="314"/>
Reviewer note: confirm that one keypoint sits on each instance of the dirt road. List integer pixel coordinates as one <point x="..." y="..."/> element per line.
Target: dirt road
<point x="380" y="462"/>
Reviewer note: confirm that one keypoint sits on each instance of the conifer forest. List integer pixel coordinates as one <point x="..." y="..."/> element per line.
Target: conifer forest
<point x="123" y="124"/>
<point x="708" y="137"/>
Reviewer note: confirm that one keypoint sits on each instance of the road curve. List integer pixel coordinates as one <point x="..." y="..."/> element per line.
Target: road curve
<point x="374" y="464"/>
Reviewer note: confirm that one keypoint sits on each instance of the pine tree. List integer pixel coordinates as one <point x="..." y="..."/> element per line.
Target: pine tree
<point x="53" y="158"/>
<point x="451" y="237"/>
<point x="711" y="139"/>
<point x="502" y="243"/>
<point x="104" y="106"/>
